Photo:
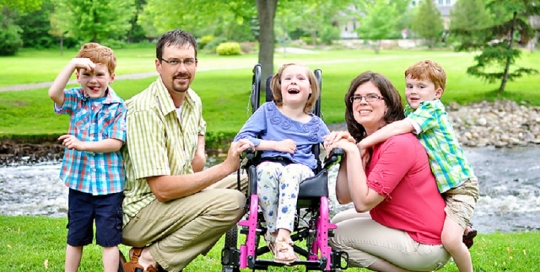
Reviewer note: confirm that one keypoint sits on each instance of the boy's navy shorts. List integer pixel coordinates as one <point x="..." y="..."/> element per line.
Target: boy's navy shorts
<point x="106" y="210"/>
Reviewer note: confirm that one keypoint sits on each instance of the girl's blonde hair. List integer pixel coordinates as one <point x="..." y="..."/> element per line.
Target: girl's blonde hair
<point x="275" y="86"/>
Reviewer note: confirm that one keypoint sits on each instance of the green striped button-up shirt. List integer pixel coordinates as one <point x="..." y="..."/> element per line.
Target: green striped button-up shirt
<point x="446" y="157"/>
<point x="157" y="142"/>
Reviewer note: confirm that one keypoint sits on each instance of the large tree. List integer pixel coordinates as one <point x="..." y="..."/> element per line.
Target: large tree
<point x="427" y="22"/>
<point x="10" y="40"/>
<point x="94" y="21"/>
<point x="498" y="41"/>
<point x="379" y="22"/>
<point x="35" y="27"/>
<point x="198" y="14"/>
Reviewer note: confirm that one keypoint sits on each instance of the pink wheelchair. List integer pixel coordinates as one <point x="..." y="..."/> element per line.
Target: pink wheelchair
<point x="312" y="224"/>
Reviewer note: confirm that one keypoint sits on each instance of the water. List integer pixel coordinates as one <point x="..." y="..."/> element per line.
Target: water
<point x="509" y="189"/>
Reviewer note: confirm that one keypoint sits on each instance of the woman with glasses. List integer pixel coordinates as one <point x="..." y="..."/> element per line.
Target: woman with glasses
<point x="398" y="212"/>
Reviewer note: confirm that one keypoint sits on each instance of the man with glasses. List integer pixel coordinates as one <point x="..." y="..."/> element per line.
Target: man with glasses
<point x="173" y="209"/>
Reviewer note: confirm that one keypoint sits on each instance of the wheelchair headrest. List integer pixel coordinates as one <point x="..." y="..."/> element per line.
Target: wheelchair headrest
<point x="269" y="95"/>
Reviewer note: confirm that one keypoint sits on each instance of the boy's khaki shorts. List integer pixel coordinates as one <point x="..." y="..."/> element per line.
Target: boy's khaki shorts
<point x="461" y="201"/>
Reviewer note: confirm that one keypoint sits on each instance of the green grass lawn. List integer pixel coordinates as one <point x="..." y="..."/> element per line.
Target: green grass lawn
<point x="224" y="83"/>
<point x="38" y="244"/>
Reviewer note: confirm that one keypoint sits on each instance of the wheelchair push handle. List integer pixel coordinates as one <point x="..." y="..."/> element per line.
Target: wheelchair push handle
<point x="249" y="154"/>
<point x="335" y="156"/>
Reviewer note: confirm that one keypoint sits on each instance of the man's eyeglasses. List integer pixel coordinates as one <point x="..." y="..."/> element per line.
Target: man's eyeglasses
<point x="175" y="62"/>
<point x="367" y="97"/>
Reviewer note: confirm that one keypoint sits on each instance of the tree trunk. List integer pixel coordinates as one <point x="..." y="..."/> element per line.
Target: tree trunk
<point x="61" y="45"/>
<point x="377" y="46"/>
<point x="508" y="59"/>
<point x="266" y="10"/>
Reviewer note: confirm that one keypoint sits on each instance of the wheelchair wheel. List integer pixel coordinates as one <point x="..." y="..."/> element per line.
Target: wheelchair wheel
<point x="230" y="253"/>
<point x="231" y="237"/>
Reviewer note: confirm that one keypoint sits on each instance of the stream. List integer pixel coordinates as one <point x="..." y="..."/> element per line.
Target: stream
<point x="509" y="189"/>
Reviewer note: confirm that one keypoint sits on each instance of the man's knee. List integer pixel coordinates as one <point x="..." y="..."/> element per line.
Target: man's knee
<point x="231" y="202"/>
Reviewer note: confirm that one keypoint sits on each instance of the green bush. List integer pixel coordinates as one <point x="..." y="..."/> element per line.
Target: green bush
<point x="229" y="49"/>
<point x="330" y="34"/>
<point x="10" y="40"/>
<point x="309" y="41"/>
<point x="210" y="48"/>
<point x="205" y="40"/>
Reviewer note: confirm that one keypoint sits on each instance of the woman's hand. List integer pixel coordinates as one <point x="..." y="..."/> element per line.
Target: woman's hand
<point x="335" y="136"/>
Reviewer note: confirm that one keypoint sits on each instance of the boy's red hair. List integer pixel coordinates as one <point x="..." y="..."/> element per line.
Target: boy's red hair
<point x="99" y="54"/>
<point x="428" y="70"/>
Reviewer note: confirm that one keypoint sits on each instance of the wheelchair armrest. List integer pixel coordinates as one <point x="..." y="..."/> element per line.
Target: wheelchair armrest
<point x="335" y="156"/>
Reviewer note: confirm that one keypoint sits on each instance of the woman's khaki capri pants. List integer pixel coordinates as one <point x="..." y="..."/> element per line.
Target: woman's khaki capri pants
<point x="367" y="241"/>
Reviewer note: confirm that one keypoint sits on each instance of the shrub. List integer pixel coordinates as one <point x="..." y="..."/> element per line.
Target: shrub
<point x="10" y="40"/>
<point x="205" y="40"/>
<point x="309" y="41"/>
<point x="210" y="48"/>
<point x="229" y="49"/>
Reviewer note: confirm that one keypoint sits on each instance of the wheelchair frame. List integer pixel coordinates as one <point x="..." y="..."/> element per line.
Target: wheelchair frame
<point x="312" y="200"/>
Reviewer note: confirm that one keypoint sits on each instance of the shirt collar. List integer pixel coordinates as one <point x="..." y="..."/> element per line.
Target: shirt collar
<point x="110" y="98"/>
<point x="164" y="98"/>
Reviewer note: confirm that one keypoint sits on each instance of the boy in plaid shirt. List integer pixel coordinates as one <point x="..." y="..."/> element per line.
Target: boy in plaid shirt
<point x="427" y="118"/>
<point x="92" y="166"/>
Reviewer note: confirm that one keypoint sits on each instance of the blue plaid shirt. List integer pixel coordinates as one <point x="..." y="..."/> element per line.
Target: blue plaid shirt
<point x="93" y="120"/>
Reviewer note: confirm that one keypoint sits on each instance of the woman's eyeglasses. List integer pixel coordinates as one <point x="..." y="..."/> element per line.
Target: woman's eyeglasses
<point x="367" y="97"/>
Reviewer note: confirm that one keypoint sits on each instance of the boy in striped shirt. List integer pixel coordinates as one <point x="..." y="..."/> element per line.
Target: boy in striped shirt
<point x="427" y="118"/>
<point x="92" y="166"/>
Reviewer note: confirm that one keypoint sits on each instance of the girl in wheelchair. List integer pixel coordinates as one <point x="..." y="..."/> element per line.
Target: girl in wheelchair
<point x="285" y="130"/>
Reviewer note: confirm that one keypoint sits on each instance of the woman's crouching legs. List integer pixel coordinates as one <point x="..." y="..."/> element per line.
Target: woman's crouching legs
<point x="374" y="246"/>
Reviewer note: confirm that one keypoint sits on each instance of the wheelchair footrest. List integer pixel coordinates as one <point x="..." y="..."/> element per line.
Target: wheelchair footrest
<point x="310" y="265"/>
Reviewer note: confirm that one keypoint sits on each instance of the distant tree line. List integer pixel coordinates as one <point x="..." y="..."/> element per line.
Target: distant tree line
<point x="491" y="26"/>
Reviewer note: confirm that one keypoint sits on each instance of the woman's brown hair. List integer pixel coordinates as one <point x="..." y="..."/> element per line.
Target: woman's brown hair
<point x="389" y="93"/>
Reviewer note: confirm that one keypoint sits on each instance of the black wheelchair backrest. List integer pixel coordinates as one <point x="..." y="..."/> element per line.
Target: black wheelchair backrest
<point x="256" y="87"/>
<point x="256" y="98"/>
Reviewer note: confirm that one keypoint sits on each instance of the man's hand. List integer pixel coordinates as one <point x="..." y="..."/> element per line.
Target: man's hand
<point x="233" y="155"/>
<point x="287" y="146"/>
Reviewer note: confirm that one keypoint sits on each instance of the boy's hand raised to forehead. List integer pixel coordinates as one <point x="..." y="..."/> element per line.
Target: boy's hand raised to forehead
<point x="83" y="63"/>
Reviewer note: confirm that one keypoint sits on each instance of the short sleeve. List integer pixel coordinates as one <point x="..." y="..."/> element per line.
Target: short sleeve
<point x="426" y="116"/>
<point x="145" y="140"/>
<point x="72" y="100"/>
